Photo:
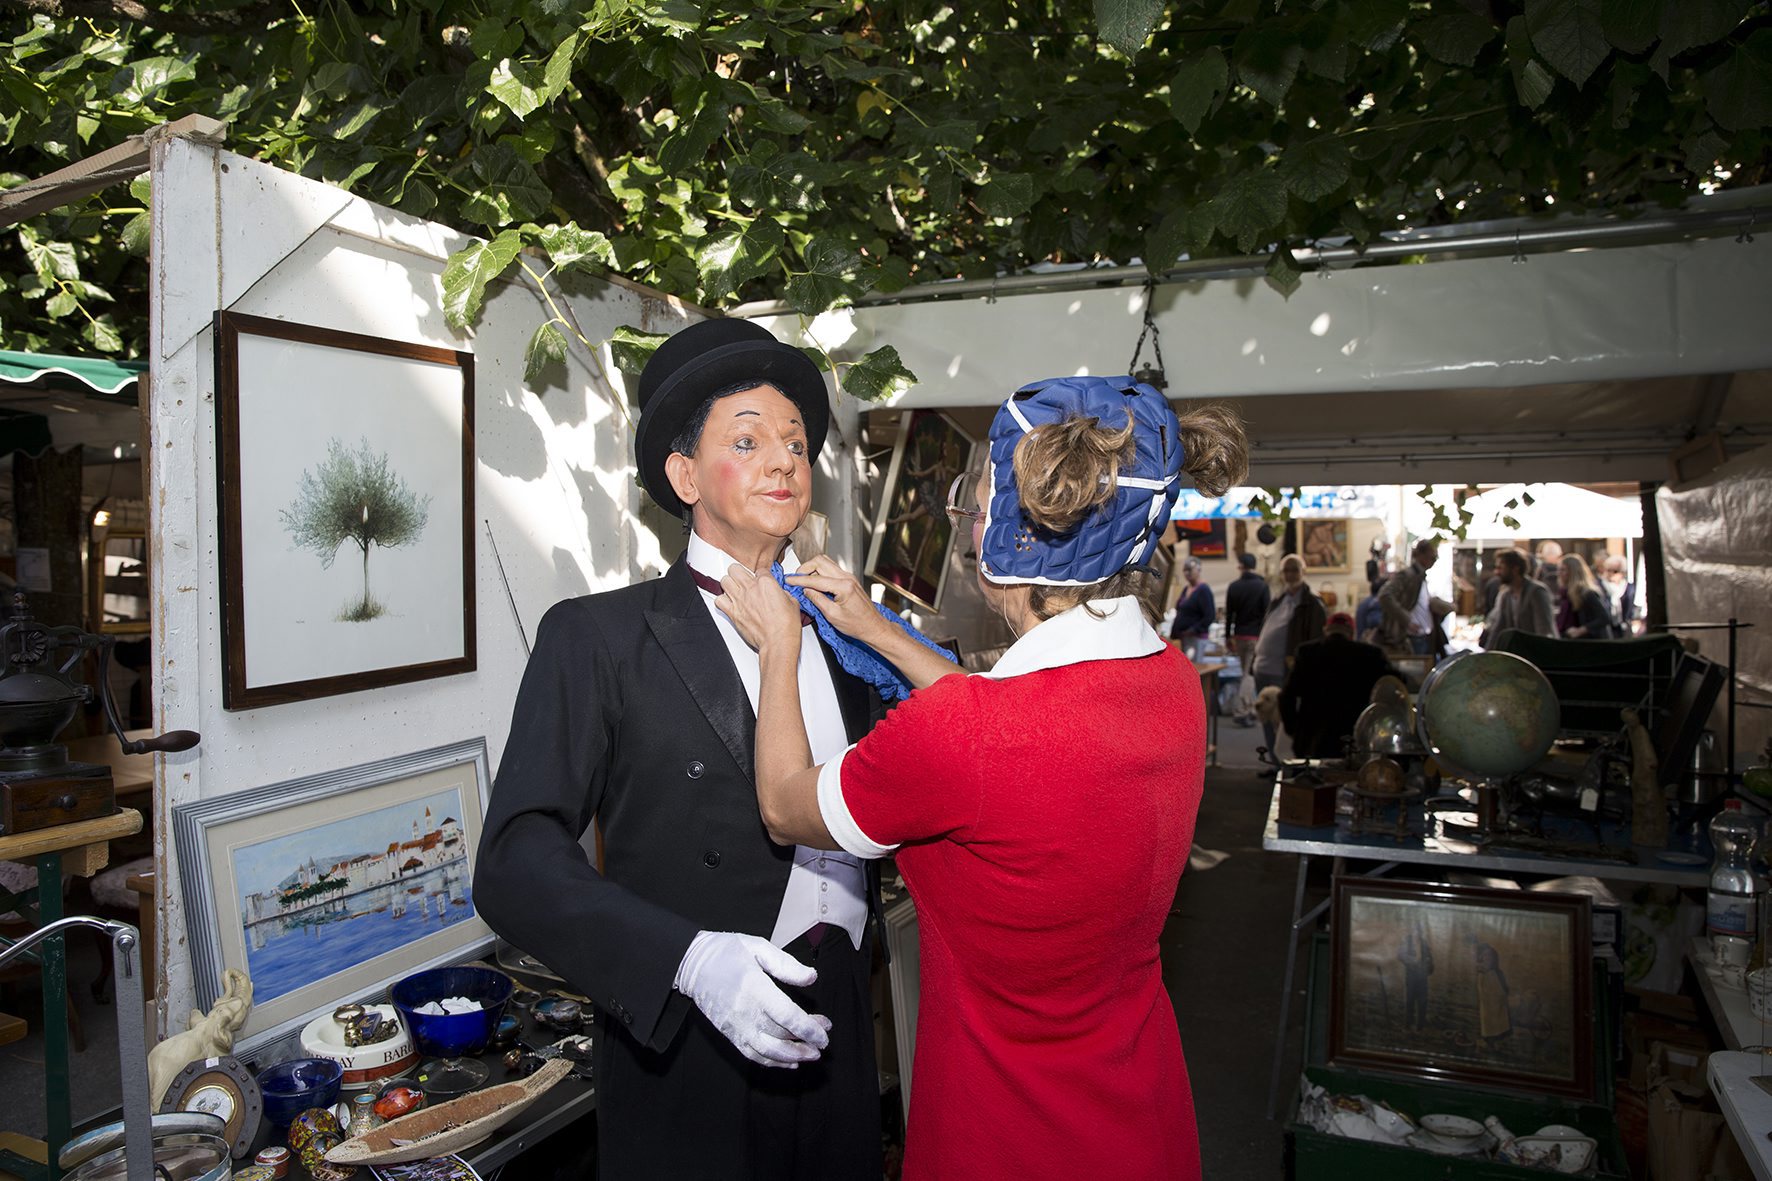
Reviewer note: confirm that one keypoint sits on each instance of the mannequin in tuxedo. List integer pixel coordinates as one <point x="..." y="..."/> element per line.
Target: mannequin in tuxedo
<point x="730" y="974"/>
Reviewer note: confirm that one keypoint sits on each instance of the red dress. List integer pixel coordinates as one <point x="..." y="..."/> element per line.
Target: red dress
<point x="1044" y="820"/>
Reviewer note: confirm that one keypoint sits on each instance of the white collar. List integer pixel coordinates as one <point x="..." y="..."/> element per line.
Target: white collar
<point x="708" y="559"/>
<point x="1077" y="635"/>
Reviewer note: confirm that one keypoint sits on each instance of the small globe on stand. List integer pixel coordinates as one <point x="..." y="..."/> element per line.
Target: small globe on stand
<point x="1488" y="716"/>
<point x="1381" y="776"/>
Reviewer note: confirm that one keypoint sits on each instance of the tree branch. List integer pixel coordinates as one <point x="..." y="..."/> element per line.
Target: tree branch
<point x="247" y="18"/>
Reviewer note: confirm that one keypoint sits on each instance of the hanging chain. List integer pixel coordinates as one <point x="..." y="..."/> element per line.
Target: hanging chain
<point x="1150" y="329"/>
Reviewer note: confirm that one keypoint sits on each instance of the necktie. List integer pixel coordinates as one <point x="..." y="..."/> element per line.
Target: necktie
<point x="713" y="587"/>
<point x="856" y="658"/>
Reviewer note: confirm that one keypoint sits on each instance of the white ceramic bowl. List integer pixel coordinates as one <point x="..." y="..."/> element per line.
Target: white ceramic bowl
<point x="1564" y="1153"/>
<point x="364" y="1066"/>
<point x="1454" y="1130"/>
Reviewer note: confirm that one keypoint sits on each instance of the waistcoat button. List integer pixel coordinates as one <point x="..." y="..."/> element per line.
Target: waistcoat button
<point x="711" y="858"/>
<point x="695" y="769"/>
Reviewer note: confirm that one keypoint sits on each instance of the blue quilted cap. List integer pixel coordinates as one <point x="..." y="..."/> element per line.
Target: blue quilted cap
<point x="1123" y="532"/>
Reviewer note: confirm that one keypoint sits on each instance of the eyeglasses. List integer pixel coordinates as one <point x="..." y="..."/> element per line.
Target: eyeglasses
<point x="958" y="493"/>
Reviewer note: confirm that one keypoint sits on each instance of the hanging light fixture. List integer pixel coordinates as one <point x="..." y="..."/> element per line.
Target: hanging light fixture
<point x="1151" y="373"/>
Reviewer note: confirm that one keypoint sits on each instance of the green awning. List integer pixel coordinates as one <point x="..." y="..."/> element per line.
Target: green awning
<point x="51" y="370"/>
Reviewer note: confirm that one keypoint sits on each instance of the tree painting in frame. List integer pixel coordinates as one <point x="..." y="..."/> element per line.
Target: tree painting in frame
<point x="336" y="884"/>
<point x="1463" y="984"/>
<point x="912" y="535"/>
<point x="345" y="485"/>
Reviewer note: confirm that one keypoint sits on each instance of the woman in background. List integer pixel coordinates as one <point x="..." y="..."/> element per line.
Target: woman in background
<point x="1040" y="813"/>
<point x="1194" y="610"/>
<point x="1581" y="606"/>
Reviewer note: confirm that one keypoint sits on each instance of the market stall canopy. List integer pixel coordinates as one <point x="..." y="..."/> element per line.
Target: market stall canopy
<point x="1557" y="510"/>
<point x="51" y="400"/>
<point x="48" y="370"/>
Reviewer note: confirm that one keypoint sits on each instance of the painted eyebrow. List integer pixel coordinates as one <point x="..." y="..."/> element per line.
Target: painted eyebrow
<point x="738" y="414"/>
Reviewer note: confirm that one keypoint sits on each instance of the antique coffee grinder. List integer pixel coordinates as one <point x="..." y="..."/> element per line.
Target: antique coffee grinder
<point x="39" y="694"/>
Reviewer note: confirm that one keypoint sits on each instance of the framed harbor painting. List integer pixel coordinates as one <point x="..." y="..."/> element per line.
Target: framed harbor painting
<point x="912" y="533"/>
<point x="333" y="886"/>
<point x="345" y="490"/>
<point x="1463" y="984"/>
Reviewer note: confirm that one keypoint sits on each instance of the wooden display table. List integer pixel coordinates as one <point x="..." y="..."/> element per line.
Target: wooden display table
<point x="82" y="849"/>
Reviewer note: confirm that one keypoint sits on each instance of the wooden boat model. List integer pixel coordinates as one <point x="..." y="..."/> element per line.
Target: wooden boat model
<point x="448" y="1127"/>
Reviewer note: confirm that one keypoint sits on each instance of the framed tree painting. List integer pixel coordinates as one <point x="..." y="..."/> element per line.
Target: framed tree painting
<point x="345" y="485"/>
<point x="1463" y="984"/>
<point x="912" y="533"/>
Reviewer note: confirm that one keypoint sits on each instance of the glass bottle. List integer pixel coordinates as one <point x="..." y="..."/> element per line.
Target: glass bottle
<point x="1732" y="901"/>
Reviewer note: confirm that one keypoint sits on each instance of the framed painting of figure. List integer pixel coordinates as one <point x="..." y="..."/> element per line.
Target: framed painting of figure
<point x="1463" y="984"/>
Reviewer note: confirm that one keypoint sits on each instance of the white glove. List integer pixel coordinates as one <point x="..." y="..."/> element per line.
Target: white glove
<point x="728" y="976"/>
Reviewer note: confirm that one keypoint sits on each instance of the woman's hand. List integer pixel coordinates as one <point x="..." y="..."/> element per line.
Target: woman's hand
<point x="835" y="594"/>
<point x="763" y="613"/>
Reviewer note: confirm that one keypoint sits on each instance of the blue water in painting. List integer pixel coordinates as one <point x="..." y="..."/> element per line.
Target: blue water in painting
<point x="305" y="953"/>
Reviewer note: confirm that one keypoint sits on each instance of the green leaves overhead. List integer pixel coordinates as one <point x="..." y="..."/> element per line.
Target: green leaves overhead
<point x="1570" y="36"/>
<point x="1738" y="93"/>
<point x="730" y="260"/>
<point x="1007" y="194"/>
<point x="1316" y="168"/>
<point x="1127" y="24"/>
<point x="880" y="374"/>
<point x="546" y="347"/>
<point x="728" y="152"/>
<point x="833" y="275"/>
<point x="632" y="348"/>
<point x="1198" y="87"/>
<point x="468" y="272"/>
<point x="1250" y="208"/>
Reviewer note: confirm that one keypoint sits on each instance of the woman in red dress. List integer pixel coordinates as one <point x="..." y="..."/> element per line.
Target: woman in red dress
<point x="1040" y="813"/>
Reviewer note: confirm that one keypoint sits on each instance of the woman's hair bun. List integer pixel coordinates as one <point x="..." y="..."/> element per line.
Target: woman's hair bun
<point x="1066" y="470"/>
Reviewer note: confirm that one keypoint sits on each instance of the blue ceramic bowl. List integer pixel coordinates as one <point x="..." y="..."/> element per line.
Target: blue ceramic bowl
<point x="452" y="1035"/>
<point x="290" y="1088"/>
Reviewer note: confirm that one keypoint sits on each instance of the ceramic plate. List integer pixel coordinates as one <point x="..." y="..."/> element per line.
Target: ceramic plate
<point x="1428" y="1142"/>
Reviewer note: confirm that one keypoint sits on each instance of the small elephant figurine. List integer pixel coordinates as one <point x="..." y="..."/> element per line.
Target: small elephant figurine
<point x="205" y="1036"/>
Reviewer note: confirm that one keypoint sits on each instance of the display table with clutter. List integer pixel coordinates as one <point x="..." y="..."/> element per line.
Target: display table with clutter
<point x="1481" y="1021"/>
<point x="461" y="1070"/>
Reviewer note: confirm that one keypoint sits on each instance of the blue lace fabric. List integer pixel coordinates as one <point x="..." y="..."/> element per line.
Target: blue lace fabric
<point x="857" y="658"/>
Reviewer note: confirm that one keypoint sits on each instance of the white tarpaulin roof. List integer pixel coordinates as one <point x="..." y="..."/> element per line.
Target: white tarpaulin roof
<point x="1557" y="510"/>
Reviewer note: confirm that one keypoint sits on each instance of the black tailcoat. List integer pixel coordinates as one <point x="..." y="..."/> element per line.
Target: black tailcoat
<point x="631" y="712"/>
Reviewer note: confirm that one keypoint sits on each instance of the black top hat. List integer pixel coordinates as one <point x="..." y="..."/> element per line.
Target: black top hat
<point x="702" y="359"/>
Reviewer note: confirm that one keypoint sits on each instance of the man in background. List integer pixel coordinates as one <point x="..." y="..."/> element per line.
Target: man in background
<point x="1411" y="614"/>
<point x="1524" y="603"/>
<point x="1329" y="685"/>
<point x="1294" y="617"/>
<point x="1245" y="606"/>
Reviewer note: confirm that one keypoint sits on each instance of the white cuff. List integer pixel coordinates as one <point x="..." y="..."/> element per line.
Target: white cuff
<point x="693" y="956"/>
<point x="837" y="819"/>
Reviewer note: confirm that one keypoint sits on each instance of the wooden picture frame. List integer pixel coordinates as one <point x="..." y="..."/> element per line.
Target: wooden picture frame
<point x="270" y="875"/>
<point x="313" y="427"/>
<point x="912" y="536"/>
<point x="1325" y="544"/>
<point x="1462" y="984"/>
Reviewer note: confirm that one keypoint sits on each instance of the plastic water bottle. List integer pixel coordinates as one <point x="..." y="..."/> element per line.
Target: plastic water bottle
<point x="1732" y="902"/>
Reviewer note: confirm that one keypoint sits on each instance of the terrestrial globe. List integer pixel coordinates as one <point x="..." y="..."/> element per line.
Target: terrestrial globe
<point x="1488" y="715"/>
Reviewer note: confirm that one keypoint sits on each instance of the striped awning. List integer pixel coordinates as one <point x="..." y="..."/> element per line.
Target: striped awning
<point x="51" y="370"/>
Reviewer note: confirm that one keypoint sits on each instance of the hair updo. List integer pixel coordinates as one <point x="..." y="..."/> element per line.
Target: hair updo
<point x="1066" y="471"/>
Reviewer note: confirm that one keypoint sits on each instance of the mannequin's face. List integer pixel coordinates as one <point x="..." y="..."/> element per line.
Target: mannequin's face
<point x="749" y="482"/>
